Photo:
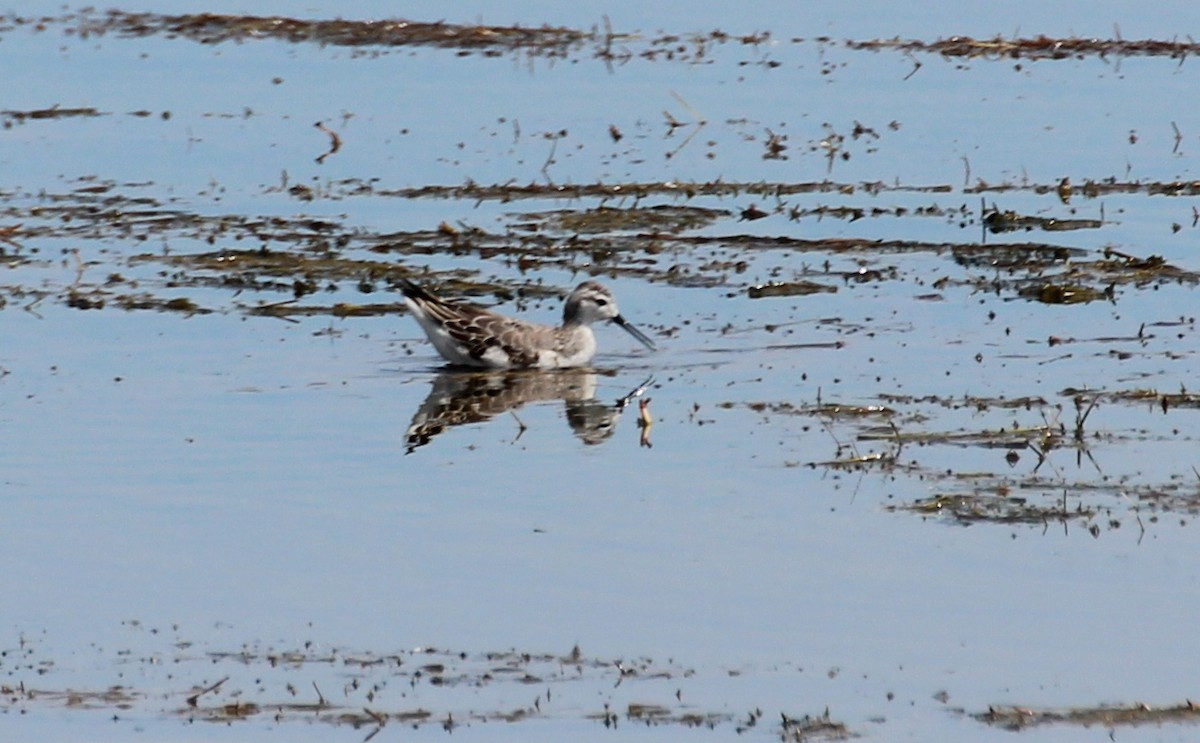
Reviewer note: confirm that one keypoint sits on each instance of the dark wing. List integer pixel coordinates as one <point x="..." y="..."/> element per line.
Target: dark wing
<point x="477" y="329"/>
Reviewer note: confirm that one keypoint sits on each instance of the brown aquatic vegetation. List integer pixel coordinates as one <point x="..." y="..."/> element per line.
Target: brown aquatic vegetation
<point x="302" y="256"/>
<point x="894" y="439"/>
<point x="8" y="117"/>
<point x="370" y="690"/>
<point x="1036" y="48"/>
<point x="556" y="41"/>
<point x="1019" y="718"/>
<point x="661" y="217"/>
<point x="789" y="289"/>
<point x="970" y="508"/>
<point x="214" y="28"/>
<point x="283" y="267"/>
<point x="822" y="727"/>
<point x="628" y="190"/>
<point x="1009" y="221"/>
<point x="1088" y="189"/>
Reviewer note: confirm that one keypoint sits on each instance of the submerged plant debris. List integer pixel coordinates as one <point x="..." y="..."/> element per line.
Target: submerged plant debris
<point x="214" y="28"/>
<point x="1038" y="48"/>
<point x="1026" y="482"/>
<point x="673" y="243"/>
<point x="1020" y="718"/>
<point x="302" y="266"/>
<point x="368" y="691"/>
<point x="605" y="44"/>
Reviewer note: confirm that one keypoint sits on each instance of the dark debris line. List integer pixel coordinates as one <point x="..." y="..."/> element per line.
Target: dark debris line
<point x="302" y="256"/>
<point x="1037" y="48"/>
<point x="204" y="687"/>
<point x="1019" y="718"/>
<point x="213" y="28"/>
<point x="507" y="192"/>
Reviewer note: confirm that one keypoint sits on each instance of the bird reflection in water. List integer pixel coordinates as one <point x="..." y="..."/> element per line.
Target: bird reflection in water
<point x="463" y="397"/>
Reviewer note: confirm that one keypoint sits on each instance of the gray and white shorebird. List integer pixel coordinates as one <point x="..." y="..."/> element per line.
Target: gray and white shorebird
<point x="469" y="335"/>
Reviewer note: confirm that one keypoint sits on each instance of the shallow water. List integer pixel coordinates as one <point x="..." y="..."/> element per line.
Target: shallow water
<point x="881" y="499"/>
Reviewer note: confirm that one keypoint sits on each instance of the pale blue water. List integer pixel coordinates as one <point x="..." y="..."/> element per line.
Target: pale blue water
<point x="246" y="478"/>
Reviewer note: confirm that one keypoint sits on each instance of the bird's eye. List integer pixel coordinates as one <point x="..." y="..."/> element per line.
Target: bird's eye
<point x="601" y="302"/>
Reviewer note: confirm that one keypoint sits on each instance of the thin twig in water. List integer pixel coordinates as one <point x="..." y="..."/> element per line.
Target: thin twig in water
<point x="1081" y="419"/>
<point x="606" y="53"/>
<point x="550" y="158"/>
<point x="195" y="697"/>
<point x="6" y="234"/>
<point x="521" y="427"/>
<point x="335" y="142"/>
<point x="673" y="124"/>
<point x="266" y="309"/>
<point x="699" y="119"/>
<point x="916" y="65"/>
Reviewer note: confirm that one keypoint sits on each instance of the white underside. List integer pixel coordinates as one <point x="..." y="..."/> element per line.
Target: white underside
<point x="582" y="349"/>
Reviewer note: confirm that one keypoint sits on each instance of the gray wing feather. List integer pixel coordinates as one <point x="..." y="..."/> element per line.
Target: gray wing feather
<point x="479" y="330"/>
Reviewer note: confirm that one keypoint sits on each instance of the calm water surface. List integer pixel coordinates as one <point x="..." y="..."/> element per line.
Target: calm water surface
<point x="177" y="485"/>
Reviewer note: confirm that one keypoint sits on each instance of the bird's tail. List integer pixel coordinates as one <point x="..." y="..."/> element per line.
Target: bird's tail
<point x="412" y="291"/>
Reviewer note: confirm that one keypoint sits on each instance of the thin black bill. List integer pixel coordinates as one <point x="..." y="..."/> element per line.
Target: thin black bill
<point x="645" y="339"/>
